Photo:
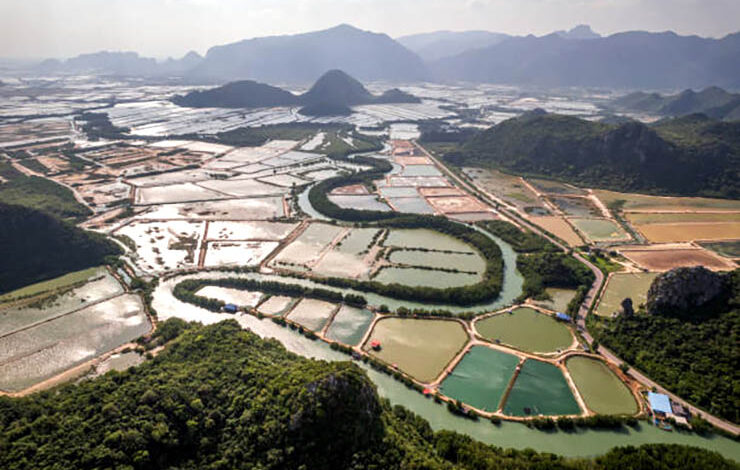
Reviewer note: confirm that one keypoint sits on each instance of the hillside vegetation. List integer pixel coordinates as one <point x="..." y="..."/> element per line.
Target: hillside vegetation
<point x="681" y="343"/>
<point x="332" y="94"/>
<point x="712" y="101"/>
<point x="39" y="193"/>
<point x="693" y="155"/>
<point x="219" y="397"/>
<point x="35" y="246"/>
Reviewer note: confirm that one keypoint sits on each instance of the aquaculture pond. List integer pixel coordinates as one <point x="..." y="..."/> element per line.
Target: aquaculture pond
<point x="481" y="378"/>
<point x="581" y="443"/>
<point x="421" y="348"/>
<point x="312" y="313"/>
<point x="277" y="305"/>
<point x="600" y="388"/>
<point x="526" y="329"/>
<point x="540" y="389"/>
<point x="600" y="230"/>
<point x="349" y="325"/>
<point x="366" y="202"/>
<point x="427" y="239"/>
<point x="471" y="262"/>
<point x="411" y="205"/>
<point x="425" y="277"/>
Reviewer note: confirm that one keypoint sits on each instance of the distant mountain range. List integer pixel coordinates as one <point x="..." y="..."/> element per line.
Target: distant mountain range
<point x="332" y="94"/>
<point x="579" y="57"/>
<point x="713" y="101"/>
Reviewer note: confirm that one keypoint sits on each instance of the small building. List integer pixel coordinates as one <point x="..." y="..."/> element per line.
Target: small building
<point x="563" y="317"/>
<point x="230" y="308"/>
<point x="375" y="344"/>
<point x="660" y="404"/>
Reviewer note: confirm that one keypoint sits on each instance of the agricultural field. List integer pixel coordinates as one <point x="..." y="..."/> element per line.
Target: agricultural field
<point x="558" y="227"/>
<point x="555" y="187"/>
<point x="657" y="258"/>
<point x="684" y="227"/>
<point x="526" y="329"/>
<point x="730" y="249"/>
<point x="480" y="378"/>
<point x="576" y="206"/>
<point x="249" y="230"/>
<point x="237" y="253"/>
<point x="601" y="389"/>
<point x="312" y="314"/>
<point x="600" y="230"/>
<point x="644" y="203"/>
<point x="349" y="325"/>
<point x="509" y="188"/>
<point x="258" y="208"/>
<point x="623" y="285"/>
<point x="540" y="389"/>
<point x="559" y="299"/>
<point x="421" y="348"/>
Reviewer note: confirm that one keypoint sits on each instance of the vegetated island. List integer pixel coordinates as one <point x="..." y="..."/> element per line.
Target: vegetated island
<point x="692" y="155"/>
<point x="334" y="93"/>
<point x="214" y="394"/>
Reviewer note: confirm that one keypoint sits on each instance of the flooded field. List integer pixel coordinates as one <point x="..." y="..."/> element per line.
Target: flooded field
<point x="623" y="285"/>
<point x="163" y="246"/>
<point x="421" y="348"/>
<point x="230" y="253"/>
<point x="526" y="329"/>
<point x="540" y="389"/>
<point x="481" y="378"/>
<point x="53" y="303"/>
<point x="602" y="391"/>
<point x="259" y="208"/>
<point x="277" y="305"/>
<point x="32" y="355"/>
<point x="576" y="206"/>
<point x="312" y="313"/>
<point x="349" y="325"/>
<point x="252" y="230"/>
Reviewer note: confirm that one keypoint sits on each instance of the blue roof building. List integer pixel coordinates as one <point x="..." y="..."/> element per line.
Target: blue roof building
<point x="230" y="308"/>
<point x="562" y="317"/>
<point x="660" y="403"/>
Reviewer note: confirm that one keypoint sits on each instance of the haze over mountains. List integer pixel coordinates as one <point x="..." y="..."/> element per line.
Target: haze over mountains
<point x="578" y="57"/>
<point x="714" y="102"/>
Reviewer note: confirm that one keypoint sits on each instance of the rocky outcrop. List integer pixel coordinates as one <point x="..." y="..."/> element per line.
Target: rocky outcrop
<point x="682" y="291"/>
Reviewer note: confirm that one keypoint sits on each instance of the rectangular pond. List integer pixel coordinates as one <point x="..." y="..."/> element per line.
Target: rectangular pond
<point x="480" y="378"/>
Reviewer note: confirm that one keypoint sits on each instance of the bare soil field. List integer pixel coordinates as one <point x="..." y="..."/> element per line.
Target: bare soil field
<point x="558" y="227"/>
<point x="684" y="232"/>
<point x="656" y="259"/>
<point x="413" y="161"/>
<point x="432" y="192"/>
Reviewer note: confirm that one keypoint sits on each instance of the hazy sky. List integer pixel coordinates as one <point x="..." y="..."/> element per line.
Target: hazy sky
<point x="62" y="28"/>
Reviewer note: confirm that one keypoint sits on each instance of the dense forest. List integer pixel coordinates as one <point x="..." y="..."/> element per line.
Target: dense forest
<point x="695" y="356"/>
<point x="35" y="246"/>
<point x="219" y="397"/>
<point x="691" y="155"/>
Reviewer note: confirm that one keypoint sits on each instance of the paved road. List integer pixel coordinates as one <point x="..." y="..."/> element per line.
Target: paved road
<point x="588" y="301"/>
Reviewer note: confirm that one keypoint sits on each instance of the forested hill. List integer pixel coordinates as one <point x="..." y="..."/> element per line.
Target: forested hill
<point x="692" y="155"/>
<point x="219" y="397"/>
<point x="35" y="246"/>
<point x="333" y="93"/>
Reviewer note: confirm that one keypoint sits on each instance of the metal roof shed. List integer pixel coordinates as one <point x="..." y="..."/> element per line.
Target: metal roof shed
<point x="660" y="402"/>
